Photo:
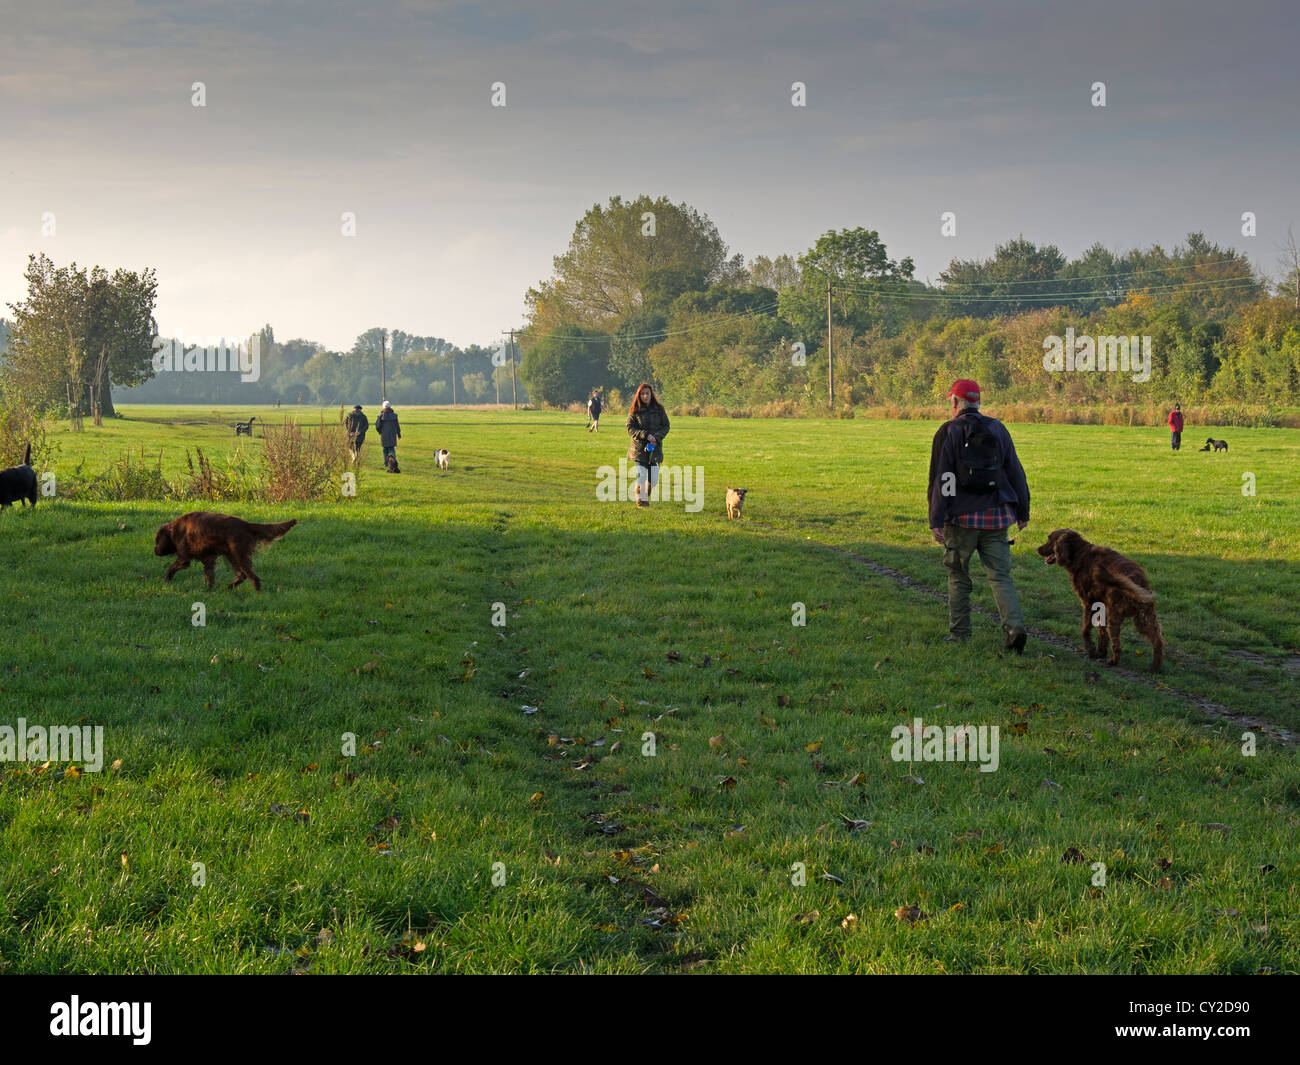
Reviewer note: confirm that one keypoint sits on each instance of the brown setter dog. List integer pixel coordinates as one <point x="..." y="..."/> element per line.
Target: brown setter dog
<point x="1100" y="575"/>
<point x="207" y="536"/>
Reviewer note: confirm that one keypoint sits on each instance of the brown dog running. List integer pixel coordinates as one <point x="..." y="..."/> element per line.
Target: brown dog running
<point x="207" y="536"/>
<point x="735" y="501"/>
<point x="1118" y="584"/>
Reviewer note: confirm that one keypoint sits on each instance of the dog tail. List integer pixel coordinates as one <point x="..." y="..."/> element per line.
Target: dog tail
<point x="272" y="530"/>
<point x="27" y="458"/>
<point x="1142" y="595"/>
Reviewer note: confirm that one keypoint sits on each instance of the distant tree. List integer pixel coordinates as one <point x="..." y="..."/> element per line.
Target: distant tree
<point x="371" y="341"/>
<point x="626" y="254"/>
<point x="629" y="345"/>
<point x="563" y="367"/>
<point x="1017" y="278"/>
<point x="475" y="385"/>
<point x="856" y="264"/>
<point x="776" y="274"/>
<point x="1290" y="263"/>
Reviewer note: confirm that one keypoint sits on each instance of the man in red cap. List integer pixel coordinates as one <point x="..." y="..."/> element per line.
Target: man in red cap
<point x="977" y="491"/>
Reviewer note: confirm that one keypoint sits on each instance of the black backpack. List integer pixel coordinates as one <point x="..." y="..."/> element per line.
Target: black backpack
<point x="979" y="455"/>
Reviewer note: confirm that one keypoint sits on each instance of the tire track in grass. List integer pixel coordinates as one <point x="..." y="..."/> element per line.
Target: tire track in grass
<point x="1207" y="706"/>
<point x="570" y="764"/>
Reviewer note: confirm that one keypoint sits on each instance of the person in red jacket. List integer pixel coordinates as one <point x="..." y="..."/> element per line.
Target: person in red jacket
<point x="1176" y="427"/>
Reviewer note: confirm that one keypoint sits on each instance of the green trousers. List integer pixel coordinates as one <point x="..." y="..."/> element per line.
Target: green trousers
<point x="959" y="545"/>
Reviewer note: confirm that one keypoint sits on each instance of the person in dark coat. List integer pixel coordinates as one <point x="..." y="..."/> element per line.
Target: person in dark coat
<point x="594" y="408"/>
<point x="356" y="424"/>
<point x="389" y="432"/>
<point x="977" y="491"/>
<point x="647" y="425"/>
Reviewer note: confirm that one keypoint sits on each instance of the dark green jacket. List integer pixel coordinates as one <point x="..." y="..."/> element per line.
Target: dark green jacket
<point x="649" y="421"/>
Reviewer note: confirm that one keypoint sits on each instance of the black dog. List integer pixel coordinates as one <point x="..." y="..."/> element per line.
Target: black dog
<point x="1218" y="445"/>
<point x="390" y="463"/>
<point x="245" y="428"/>
<point x="18" y="482"/>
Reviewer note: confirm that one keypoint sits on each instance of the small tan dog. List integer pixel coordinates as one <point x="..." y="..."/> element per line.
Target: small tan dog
<point x="735" y="501"/>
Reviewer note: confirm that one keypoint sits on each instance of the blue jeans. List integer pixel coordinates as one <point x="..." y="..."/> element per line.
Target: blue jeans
<point x="1175" y="440"/>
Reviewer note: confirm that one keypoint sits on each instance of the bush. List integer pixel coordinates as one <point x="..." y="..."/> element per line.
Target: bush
<point x="20" y="425"/>
<point x="302" y="466"/>
<point x="124" y="479"/>
<point x="204" y="481"/>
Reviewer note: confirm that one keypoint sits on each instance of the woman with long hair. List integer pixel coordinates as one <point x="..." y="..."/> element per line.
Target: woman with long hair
<point x="647" y="425"/>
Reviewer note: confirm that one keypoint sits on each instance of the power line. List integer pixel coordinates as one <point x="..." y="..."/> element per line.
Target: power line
<point x="1114" y="275"/>
<point x="661" y="334"/>
<point x="1110" y="293"/>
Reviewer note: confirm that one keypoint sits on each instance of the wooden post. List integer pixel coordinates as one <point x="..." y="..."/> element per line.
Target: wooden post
<point x="830" y="350"/>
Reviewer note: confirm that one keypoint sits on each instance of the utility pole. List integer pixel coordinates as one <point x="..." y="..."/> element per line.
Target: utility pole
<point x="453" y="379"/>
<point x="383" y="370"/>
<point x="830" y="350"/>
<point x="513" y="383"/>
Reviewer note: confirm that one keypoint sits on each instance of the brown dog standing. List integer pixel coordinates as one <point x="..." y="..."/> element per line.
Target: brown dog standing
<point x="207" y="536"/>
<point x="1119" y="584"/>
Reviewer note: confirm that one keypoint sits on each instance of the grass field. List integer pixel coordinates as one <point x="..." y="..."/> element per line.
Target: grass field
<point x="467" y="835"/>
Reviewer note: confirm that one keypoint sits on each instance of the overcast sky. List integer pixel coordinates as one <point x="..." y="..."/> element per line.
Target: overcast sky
<point x="384" y="109"/>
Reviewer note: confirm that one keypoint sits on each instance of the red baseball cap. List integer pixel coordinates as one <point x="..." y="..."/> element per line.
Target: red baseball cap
<point x="965" y="389"/>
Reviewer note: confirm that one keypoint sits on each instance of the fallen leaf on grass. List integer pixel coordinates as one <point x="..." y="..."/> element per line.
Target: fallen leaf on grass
<point x="911" y="780"/>
<point x="910" y="914"/>
<point x="1072" y="856"/>
<point x="854" y="825"/>
<point x="814" y="747"/>
<point x="807" y="918"/>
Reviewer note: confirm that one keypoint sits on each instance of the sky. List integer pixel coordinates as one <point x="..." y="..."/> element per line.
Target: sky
<point x="385" y="110"/>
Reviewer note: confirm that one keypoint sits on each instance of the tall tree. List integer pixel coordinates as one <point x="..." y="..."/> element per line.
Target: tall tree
<point x="625" y="255"/>
<point x="856" y="264"/>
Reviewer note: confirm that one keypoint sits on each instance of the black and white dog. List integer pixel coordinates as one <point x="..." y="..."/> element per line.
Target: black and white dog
<point x="19" y="482"/>
<point x="443" y="457"/>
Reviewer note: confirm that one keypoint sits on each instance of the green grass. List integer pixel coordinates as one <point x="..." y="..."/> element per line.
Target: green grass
<point x="376" y="619"/>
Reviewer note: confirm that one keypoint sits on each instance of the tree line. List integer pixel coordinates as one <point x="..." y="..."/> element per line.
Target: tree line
<point x="648" y="291"/>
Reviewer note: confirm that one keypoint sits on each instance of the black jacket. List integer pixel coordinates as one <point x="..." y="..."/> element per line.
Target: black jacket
<point x="389" y="431"/>
<point x="356" y="424"/>
<point x="648" y="421"/>
<point x="1012" y="486"/>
